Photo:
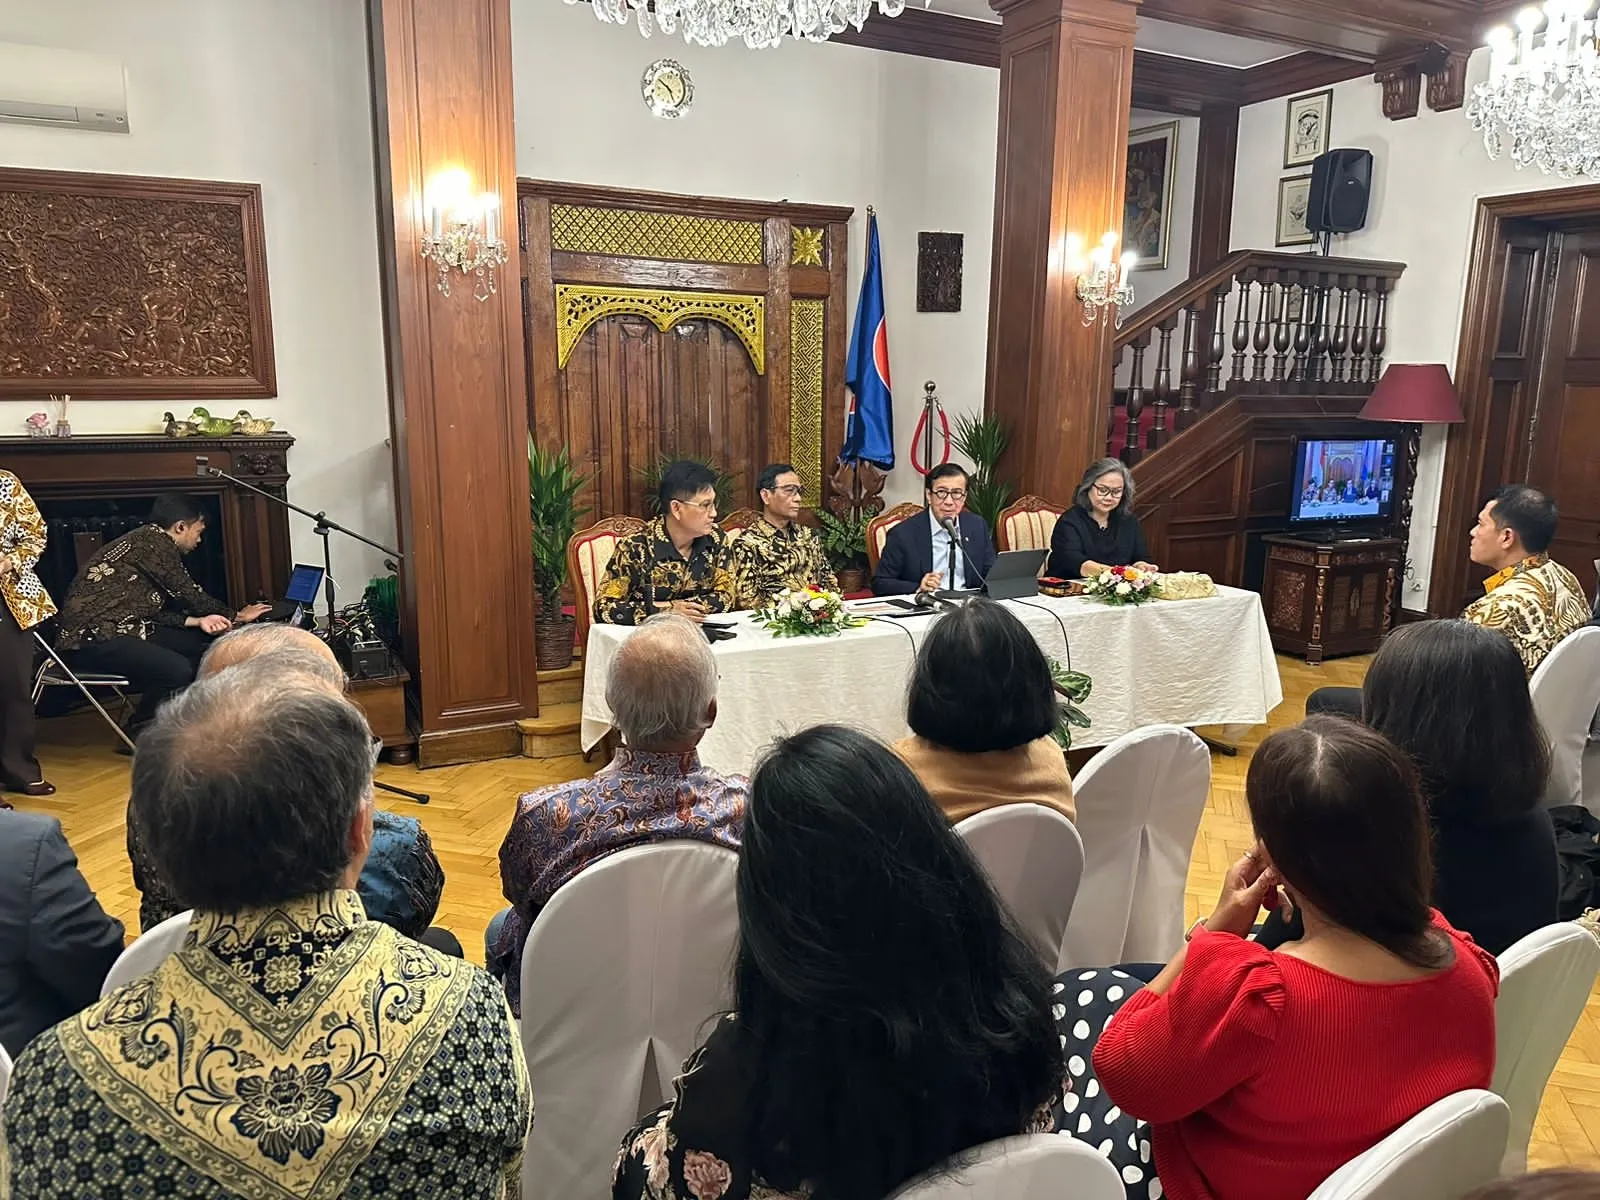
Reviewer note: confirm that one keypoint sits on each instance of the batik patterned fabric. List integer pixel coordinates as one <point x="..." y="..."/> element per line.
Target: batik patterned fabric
<point x="295" y="1053"/>
<point x="1535" y="603"/>
<point x="768" y="560"/>
<point x="646" y="573"/>
<point x="22" y="533"/>
<point x="637" y="797"/>
<point x="129" y="585"/>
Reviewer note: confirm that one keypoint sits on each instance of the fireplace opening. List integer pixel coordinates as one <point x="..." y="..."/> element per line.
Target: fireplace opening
<point x="79" y="527"/>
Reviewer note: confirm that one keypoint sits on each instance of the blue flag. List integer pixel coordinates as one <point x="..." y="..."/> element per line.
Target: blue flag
<point x="869" y="430"/>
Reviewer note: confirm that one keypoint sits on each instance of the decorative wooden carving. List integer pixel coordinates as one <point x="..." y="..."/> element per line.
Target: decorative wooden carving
<point x="1352" y="605"/>
<point x="807" y="247"/>
<point x="118" y="287"/>
<point x="1447" y="80"/>
<point x="579" y="306"/>
<point x="1402" y="91"/>
<point x="939" y="272"/>
<point x="856" y="487"/>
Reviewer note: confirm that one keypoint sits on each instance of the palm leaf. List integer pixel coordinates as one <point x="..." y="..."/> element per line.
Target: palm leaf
<point x="553" y="510"/>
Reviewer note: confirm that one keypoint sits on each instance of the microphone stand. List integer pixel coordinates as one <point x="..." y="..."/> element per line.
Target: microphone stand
<point x="323" y="527"/>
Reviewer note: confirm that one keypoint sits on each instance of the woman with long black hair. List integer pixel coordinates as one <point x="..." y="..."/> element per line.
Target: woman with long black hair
<point x="887" y="1016"/>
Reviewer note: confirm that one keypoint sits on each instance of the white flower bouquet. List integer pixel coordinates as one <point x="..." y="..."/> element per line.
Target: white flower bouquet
<point x="807" y="612"/>
<point x="1122" y="585"/>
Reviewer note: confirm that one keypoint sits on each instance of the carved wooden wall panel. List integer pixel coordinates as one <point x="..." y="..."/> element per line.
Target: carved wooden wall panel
<point x="124" y="287"/>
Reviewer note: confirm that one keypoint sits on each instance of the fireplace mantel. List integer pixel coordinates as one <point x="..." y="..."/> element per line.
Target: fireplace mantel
<point x="120" y="466"/>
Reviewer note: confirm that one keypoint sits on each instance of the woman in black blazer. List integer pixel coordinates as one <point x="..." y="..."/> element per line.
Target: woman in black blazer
<point x="1099" y="530"/>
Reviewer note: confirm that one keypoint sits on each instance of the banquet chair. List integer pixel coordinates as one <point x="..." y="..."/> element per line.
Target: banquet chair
<point x="149" y="950"/>
<point x="1034" y="858"/>
<point x="622" y="975"/>
<point x="878" y="531"/>
<point x="1445" y="1151"/>
<point x="588" y="552"/>
<point x="1139" y="803"/>
<point x="1035" y="1166"/>
<point x="1029" y="524"/>
<point x="1545" y="980"/>
<point x="5" y="1073"/>
<point x="738" y="521"/>
<point x="1566" y="693"/>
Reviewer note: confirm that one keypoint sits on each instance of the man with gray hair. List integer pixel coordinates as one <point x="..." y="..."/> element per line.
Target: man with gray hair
<point x="663" y="697"/>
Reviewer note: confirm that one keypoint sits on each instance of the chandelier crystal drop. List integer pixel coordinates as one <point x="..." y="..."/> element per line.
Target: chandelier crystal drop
<point x="760" y="24"/>
<point x="1542" y="97"/>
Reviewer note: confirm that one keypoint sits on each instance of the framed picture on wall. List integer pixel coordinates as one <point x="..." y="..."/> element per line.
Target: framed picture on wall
<point x="1147" y="203"/>
<point x="1294" y="200"/>
<point x="1305" y="134"/>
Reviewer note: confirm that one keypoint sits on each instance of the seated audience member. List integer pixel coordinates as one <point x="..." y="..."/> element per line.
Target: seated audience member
<point x="662" y="692"/>
<point x="1099" y="530"/>
<point x="1257" y="1072"/>
<point x="886" y="1015"/>
<point x="777" y="553"/>
<point x="1483" y="762"/>
<point x="133" y="609"/>
<point x="1563" y="1184"/>
<point x="56" y="942"/>
<point x="677" y="563"/>
<point x="24" y="605"/>
<point x="918" y="553"/>
<point x="981" y="709"/>
<point x="1530" y="599"/>
<point x="402" y="881"/>
<point x="291" y="1046"/>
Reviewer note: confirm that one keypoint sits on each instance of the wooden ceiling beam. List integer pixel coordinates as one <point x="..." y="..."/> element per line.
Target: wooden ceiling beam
<point x="1368" y="29"/>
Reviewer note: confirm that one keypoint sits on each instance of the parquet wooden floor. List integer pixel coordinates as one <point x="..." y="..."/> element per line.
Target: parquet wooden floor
<point x="471" y="808"/>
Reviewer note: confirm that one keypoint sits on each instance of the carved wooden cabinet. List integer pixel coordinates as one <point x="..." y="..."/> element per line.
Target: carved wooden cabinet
<point x="1330" y="598"/>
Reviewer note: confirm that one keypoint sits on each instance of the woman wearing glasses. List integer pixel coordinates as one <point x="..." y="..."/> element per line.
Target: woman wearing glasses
<point x="1099" y="530"/>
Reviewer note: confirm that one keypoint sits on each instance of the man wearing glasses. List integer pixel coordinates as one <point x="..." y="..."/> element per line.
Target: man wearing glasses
<point x="777" y="553"/>
<point x="919" y="554"/>
<point x="677" y="563"/>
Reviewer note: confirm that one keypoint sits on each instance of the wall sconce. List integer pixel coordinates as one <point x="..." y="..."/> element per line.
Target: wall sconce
<point x="1103" y="287"/>
<point x="463" y="233"/>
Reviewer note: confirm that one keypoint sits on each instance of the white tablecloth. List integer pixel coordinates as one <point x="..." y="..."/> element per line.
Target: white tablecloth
<point x="1185" y="662"/>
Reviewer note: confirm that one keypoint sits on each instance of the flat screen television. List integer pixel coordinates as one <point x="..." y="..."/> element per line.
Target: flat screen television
<point x="1341" y="481"/>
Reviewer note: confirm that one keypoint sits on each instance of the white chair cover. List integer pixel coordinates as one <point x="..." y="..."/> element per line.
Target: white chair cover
<point x="149" y="951"/>
<point x="1591" y="770"/>
<point x="5" y="1076"/>
<point x="1545" y="980"/>
<point x="1139" y="803"/>
<point x="1442" y="1153"/>
<point x="622" y="974"/>
<point x="1038" y="1166"/>
<point x="1034" y="858"/>
<point x="1566" y="693"/>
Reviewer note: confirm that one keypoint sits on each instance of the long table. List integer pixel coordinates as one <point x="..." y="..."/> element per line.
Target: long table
<point x="1186" y="662"/>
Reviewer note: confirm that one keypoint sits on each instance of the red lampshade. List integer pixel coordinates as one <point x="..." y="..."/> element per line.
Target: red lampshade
<point x="1417" y="393"/>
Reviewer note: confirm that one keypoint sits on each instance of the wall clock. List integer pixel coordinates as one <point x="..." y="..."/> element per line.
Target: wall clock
<point x="668" y="91"/>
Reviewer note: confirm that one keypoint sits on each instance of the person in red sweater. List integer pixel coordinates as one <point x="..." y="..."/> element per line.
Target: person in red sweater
<point x="1253" y="1074"/>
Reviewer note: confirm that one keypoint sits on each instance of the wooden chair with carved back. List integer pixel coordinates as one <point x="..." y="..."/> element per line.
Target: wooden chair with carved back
<point x="878" y="531"/>
<point x="738" y="521"/>
<point x="588" y="552"/>
<point x="1029" y="524"/>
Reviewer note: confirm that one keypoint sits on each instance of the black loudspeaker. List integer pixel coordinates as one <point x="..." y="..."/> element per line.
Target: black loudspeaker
<point x="1341" y="184"/>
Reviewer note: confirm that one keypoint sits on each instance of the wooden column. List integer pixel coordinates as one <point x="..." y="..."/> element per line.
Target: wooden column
<point x="1218" y="155"/>
<point x="1066" y="78"/>
<point x="443" y="100"/>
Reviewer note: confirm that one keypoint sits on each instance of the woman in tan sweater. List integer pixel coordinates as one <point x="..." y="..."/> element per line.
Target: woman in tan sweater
<point x="981" y="711"/>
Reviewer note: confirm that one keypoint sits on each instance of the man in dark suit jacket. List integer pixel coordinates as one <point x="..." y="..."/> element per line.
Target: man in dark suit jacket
<point x="56" y="942"/>
<point x="916" y="554"/>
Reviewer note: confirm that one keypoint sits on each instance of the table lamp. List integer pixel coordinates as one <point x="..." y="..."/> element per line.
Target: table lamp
<point x="1414" y="395"/>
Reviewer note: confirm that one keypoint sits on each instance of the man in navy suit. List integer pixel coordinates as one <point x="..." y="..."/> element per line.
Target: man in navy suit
<point x="916" y="554"/>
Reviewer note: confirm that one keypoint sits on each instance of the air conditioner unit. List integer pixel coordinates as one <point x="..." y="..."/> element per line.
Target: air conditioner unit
<point x="65" y="89"/>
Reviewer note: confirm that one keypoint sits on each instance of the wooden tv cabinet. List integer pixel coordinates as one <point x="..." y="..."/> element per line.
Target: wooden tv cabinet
<point x="1328" y="598"/>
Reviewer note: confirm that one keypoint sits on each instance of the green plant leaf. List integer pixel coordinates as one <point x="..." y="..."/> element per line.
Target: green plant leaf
<point x="553" y="510"/>
<point x="844" y="539"/>
<point x="651" y="474"/>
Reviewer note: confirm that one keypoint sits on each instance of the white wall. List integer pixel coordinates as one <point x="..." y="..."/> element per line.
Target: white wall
<point x="274" y="94"/>
<point x="1151" y="285"/>
<point x="827" y="124"/>
<point x="1428" y="175"/>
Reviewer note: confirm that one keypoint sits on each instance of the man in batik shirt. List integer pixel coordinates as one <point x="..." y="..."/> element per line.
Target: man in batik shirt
<point x="677" y="563"/>
<point x="291" y="1047"/>
<point x="662" y="692"/>
<point x="22" y="541"/>
<point x="776" y="553"/>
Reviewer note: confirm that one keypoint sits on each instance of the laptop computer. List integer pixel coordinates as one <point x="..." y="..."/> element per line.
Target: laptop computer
<point x="1015" y="574"/>
<point x="300" y="596"/>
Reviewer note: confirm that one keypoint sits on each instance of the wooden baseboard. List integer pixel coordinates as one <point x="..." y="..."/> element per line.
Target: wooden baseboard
<point x="449" y="747"/>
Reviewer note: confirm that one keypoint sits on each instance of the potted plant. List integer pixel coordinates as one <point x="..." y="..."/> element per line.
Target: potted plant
<point x="651" y="473"/>
<point x="983" y="440"/>
<point x="844" y="541"/>
<point x="1072" y="689"/>
<point x="553" y="488"/>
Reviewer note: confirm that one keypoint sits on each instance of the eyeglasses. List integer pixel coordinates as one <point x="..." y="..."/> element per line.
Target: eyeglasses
<point x="950" y="493"/>
<point x="792" y="490"/>
<point x="1108" y="493"/>
<point x="708" y="505"/>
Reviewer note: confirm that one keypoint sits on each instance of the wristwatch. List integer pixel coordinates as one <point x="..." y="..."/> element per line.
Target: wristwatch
<point x="1194" y="929"/>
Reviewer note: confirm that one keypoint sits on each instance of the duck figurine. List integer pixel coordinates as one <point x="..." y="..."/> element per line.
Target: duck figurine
<point x="209" y="425"/>
<point x="252" y="426"/>
<point x="175" y="428"/>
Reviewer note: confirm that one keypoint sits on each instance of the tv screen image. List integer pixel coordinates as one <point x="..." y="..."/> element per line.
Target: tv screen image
<point x="1343" y="480"/>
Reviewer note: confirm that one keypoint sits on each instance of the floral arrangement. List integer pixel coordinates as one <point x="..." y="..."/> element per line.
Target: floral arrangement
<point x="807" y="612"/>
<point x="1122" y="585"/>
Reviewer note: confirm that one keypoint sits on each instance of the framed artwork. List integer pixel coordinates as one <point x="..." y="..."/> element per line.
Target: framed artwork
<point x="1147" y="203"/>
<point x="1305" y="134"/>
<point x="939" y="272"/>
<point x="1294" y="199"/>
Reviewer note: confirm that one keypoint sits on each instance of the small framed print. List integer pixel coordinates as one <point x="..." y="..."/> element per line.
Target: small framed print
<point x="1294" y="201"/>
<point x="1306" y="128"/>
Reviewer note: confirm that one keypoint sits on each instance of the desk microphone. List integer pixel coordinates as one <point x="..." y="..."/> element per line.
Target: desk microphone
<point x="953" y="527"/>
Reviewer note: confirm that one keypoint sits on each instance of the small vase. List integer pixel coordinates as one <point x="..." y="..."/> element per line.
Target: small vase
<point x="38" y="431"/>
<point x="63" y="428"/>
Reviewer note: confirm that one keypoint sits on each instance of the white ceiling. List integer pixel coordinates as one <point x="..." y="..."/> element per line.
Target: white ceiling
<point x="1160" y="37"/>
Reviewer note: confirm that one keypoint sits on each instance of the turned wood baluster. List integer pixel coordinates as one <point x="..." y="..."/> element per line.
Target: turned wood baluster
<point x="1282" y="333"/>
<point x="1241" y="330"/>
<point x="1341" y="336"/>
<point x="1303" y="335"/>
<point x="1358" y="337"/>
<point x="1188" y="386"/>
<point x="1219" y="345"/>
<point x="1324" y="336"/>
<point x="1263" y="336"/>
<point x="1380" y="333"/>
<point x="1163" y="388"/>
<point x="1131" y="450"/>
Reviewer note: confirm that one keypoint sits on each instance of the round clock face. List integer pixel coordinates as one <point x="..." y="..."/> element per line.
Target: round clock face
<point x="667" y="88"/>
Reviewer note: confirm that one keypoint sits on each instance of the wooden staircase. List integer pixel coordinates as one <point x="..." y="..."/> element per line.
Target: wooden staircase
<point x="554" y="733"/>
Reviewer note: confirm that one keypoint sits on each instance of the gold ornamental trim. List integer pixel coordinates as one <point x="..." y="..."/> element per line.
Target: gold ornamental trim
<point x="806" y="245"/>
<point x="632" y="233"/>
<point x="579" y="306"/>
<point x="806" y="389"/>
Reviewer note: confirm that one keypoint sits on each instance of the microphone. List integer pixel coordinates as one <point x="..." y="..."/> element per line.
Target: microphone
<point x="953" y="527"/>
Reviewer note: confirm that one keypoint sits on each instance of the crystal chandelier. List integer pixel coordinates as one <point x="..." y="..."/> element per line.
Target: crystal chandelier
<point x="1543" y="91"/>
<point x="758" y="23"/>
